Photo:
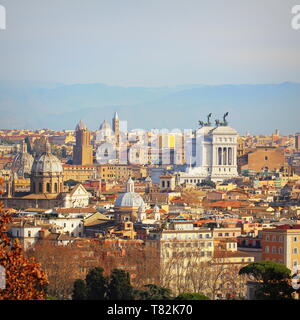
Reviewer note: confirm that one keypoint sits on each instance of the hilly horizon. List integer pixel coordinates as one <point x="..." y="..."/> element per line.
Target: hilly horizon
<point x="257" y="108"/>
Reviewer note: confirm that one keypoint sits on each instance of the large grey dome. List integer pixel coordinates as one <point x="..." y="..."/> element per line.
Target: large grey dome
<point x="47" y="163"/>
<point x="22" y="164"/>
<point x="129" y="199"/>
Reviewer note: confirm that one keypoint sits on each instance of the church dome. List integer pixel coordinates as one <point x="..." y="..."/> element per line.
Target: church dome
<point x="129" y="199"/>
<point x="47" y="163"/>
<point x="22" y="164"/>
<point x="105" y="126"/>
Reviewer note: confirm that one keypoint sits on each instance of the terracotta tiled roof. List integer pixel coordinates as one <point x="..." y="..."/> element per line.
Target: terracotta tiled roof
<point x="226" y="204"/>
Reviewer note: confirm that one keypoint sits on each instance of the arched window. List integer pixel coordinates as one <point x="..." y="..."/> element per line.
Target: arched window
<point x="55" y="187"/>
<point x="40" y="187"/>
<point x="48" y="187"/>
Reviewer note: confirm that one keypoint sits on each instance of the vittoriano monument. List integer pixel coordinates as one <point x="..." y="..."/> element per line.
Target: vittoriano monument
<point x="216" y="159"/>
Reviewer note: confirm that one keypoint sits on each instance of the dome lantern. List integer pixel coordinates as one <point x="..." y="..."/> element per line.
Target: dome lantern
<point x="130" y="185"/>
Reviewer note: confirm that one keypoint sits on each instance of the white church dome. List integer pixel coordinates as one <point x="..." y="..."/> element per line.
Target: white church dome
<point x="105" y="126"/>
<point x="130" y="198"/>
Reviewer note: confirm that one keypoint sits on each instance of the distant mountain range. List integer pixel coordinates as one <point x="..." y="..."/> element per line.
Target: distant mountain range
<point x="259" y="108"/>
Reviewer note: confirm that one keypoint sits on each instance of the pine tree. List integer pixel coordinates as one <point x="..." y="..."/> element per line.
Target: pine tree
<point x="273" y="280"/>
<point x="80" y="290"/>
<point x="119" y="287"/>
<point x="96" y="284"/>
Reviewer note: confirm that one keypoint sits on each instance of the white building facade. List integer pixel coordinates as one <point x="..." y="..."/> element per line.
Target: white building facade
<point x="216" y="156"/>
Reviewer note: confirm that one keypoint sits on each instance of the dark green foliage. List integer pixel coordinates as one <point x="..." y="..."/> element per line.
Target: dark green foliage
<point x="154" y="292"/>
<point x="71" y="183"/>
<point x="96" y="284"/>
<point x="207" y="183"/>
<point x="116" y="287"/>
<point x="119" y="287"/>
<point x="192" y="296"/>
<point x="273" y="280"/>
<point x="79" y="290"/>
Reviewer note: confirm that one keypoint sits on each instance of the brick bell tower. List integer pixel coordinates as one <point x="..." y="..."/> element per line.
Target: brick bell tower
<point x="82" y="151"/>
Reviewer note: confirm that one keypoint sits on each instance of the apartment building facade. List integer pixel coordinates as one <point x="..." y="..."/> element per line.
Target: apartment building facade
<point x="282" y="245"/>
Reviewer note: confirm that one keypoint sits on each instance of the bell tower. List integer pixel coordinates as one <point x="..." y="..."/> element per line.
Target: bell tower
<point x="116" y="125"/>
<point x="82" y="151"/>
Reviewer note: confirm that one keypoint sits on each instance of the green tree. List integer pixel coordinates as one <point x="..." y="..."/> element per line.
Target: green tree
<point x="154" y="292"/>
<point x="207" y="183"/>
<point x="192" y="296"/>
<point x="273" y="280"/>
<point x="71" y="183"/>
<point x="96" y="284"/>
<point x="79" y="290"/>
<point x="119" y="287"/>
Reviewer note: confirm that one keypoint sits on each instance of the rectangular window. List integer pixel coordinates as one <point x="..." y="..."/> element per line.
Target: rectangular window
<point x="267" y="249"/>
<point x="295" y="263"/>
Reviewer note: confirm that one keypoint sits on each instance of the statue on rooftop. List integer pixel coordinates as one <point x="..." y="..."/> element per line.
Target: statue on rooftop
<point x="225" y="122"/>
<point x="208" y="120"/>
<point x="201" y="123"/>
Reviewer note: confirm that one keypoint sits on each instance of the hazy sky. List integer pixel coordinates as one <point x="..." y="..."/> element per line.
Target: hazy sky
<point x="150" y="42"/>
